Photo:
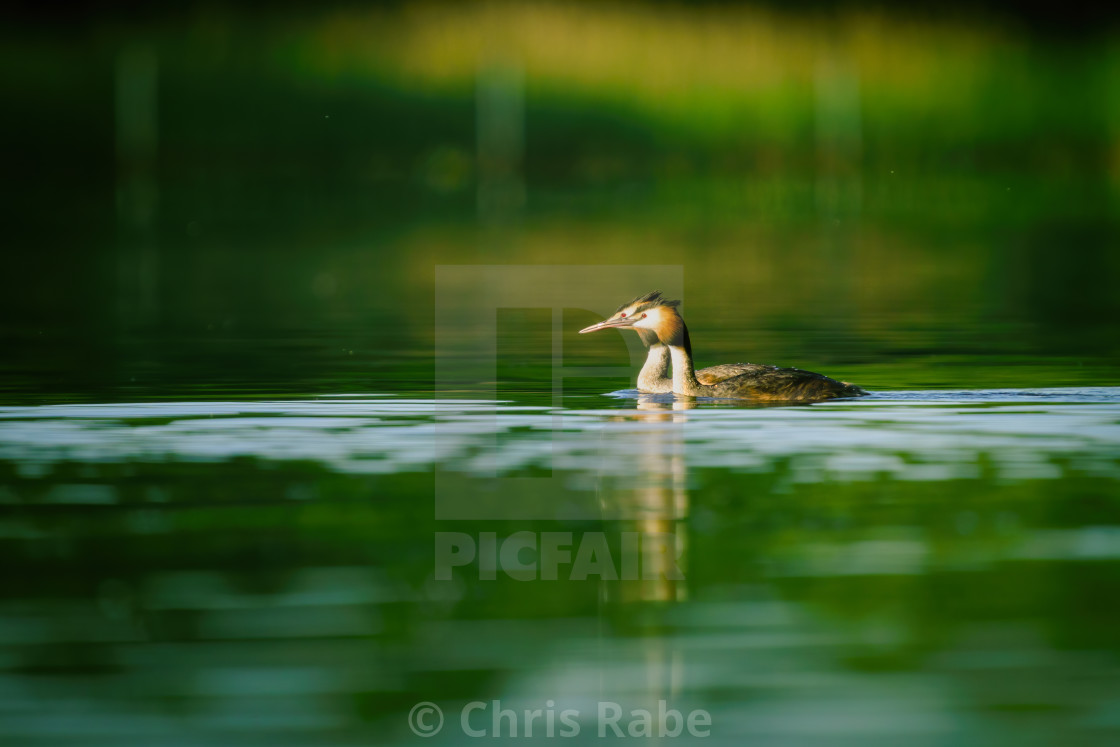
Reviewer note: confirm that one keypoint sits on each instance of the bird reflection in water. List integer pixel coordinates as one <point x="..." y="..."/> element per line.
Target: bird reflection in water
<point x="653" y="507"/>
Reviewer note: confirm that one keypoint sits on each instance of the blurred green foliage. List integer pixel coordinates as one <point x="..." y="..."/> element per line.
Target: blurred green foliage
<point x="859" y="187"/>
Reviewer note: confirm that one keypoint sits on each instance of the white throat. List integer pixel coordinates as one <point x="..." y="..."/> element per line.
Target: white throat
<point x="654" y="376"/>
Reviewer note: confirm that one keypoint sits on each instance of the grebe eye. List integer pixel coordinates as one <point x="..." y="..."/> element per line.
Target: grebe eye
<point x="644" y="316"/>
<point x="621" y="316"/>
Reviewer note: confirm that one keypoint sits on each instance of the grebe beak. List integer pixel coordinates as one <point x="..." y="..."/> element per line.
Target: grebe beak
<point x="607" y="324"/>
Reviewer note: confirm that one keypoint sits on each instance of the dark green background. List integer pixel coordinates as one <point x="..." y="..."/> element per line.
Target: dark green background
<point x="951" y="221"/>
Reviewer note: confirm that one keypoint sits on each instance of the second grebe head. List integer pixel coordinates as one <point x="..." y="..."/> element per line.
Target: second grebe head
<point x="626" y="315"/>
<point x="662" y="319"/>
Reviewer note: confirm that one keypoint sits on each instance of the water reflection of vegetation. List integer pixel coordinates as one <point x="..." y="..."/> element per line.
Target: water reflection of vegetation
<point x="901" y="570"/>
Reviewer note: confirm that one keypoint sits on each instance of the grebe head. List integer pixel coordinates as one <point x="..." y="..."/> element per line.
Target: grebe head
<point x="627" y="314"/>
<point x="662" y="318"/>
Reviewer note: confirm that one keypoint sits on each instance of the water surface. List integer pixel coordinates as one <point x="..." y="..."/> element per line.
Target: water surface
<point x="931" y="566"/>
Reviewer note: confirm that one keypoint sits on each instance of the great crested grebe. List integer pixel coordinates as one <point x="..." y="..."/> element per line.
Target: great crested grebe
<point x="654" y="377"/>
<point x="764" y="383"/>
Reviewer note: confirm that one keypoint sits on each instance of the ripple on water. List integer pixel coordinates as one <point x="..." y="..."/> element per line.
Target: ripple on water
<point x="924" y="436"/>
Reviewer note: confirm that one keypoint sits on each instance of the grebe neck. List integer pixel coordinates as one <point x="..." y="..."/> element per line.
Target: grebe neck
<point x="684" y="373"/>
<point x="655" y="372"/>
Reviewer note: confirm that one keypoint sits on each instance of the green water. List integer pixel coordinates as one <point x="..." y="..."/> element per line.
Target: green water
<point x="933" y="566"/>
<point x="291" y="371"/>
